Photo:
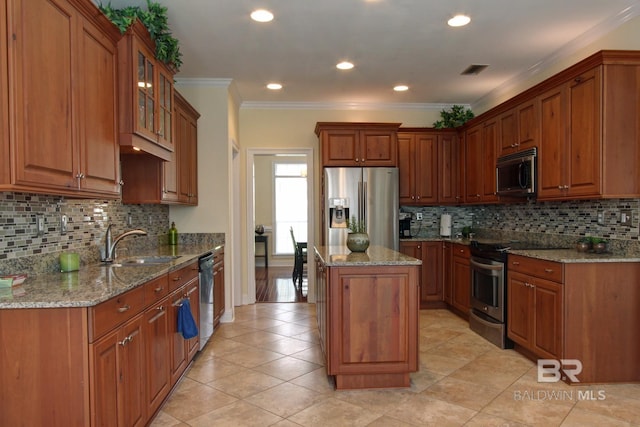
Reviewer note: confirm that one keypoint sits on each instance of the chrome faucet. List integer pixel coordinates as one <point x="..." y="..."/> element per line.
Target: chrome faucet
<point x="110" y="248"/>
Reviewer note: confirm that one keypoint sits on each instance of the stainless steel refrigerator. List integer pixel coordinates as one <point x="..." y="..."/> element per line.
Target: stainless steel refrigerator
<point x="369" y="194"/>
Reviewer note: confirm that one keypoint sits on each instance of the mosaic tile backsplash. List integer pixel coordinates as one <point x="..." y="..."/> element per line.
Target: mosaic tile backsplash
<point x="561" y="222"/>
<point x="22" y="250"/>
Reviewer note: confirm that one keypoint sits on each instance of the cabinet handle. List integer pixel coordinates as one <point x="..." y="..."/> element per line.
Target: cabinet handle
<point x="158" y="289"/>
<point x="566" y="187"/>
<point x="477" y="195"/>
<point x="121" y="183"/>
<point x="578" y="79"/>
<point x="178" y="303"/>
<point x="190" y="292"/>
<point x="123" y="309"/>
<point x="161" y="308"/>
<point x="80" y="175"/>
<point x="418" y="197"/>
<point x="357" y="159"/>
<point x="130" y="338"/>
<point x="177" y="279"/>
<point x="515" y="263"/>
<point x="548" y="270"/>
<point x="124" y="341"/>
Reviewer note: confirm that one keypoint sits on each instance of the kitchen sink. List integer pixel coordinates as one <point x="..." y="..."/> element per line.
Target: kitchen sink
<point x="145" y="260"/>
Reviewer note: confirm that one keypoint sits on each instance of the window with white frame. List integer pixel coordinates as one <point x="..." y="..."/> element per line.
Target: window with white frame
<point x="290" y="205"/>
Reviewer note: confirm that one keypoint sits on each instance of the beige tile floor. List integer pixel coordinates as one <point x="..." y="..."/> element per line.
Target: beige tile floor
<point x="266" y="369"/>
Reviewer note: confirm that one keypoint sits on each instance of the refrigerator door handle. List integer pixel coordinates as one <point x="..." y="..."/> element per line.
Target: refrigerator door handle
<point x="360" y="199"/>
<point x="365" y="196"/>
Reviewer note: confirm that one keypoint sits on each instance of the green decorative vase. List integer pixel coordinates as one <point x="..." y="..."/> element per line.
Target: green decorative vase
<point x="358" y="242"/>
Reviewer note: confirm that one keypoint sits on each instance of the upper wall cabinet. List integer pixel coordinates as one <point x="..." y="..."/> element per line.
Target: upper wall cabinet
<point x="146" y="96"/>
<point x="148" y="179"/>
<point x="358" y="144"/>
<point x="480" y="162"/>
<point x="428" y="163"/>
<point x="519" y="128"/>
<point x="59" y="99"/>
<point x="590" y="133"/>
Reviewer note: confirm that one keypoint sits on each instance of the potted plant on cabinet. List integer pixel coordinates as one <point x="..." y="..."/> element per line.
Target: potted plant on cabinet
<point x="599" y="245"/>
<point x="358" y="239"/>
<point x="155" y="21"/>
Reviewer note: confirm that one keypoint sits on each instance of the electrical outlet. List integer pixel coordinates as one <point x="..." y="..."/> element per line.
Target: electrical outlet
<point x="419" y="216"/>
<point x="40" y="224"/>
<point x="600" y="217"/>
<point x="626" y="217"/>
<point x="63" y="224"/>
<point x="129" y="220"/>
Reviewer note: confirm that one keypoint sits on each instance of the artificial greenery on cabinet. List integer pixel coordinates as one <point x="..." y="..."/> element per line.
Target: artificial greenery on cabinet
<point x="454" y="117"/>
<point x="156" y="21"/>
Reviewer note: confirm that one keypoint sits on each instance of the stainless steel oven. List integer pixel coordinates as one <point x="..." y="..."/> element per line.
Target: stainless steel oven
<point x="488" y="315"/>
<point x="487" y="287"/>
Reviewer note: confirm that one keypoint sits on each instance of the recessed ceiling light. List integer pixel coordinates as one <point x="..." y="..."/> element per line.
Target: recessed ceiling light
<point x="274" y="86"/>
<point x="459" y="21"/>
<point x="262" y="15"/>
<point x="344" y="65"/>
<point x="401" y="88"/>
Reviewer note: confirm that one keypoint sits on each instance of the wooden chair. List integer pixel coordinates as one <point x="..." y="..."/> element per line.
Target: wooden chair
<point x="299" y="258"/>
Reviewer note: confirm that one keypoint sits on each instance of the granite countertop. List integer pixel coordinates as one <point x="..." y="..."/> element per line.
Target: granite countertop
<point x="341" y="256"/>
<point x="96" y="283"/>
<point x="558" y="255"/>
<point x="572" y="256"/>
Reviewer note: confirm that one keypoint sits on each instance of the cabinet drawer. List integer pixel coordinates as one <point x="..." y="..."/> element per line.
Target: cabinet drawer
<point x="109" y="314"/>
<point x="156" y="289"/>
<point x="543" y="269"/>
<point x="461" y="250"/>
<point x="179" y="277"/>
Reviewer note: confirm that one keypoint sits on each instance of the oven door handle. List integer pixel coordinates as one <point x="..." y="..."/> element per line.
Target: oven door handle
<point x="486" y="266"/>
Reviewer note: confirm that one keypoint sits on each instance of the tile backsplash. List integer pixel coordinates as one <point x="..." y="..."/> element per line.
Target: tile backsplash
<point x="564" y="221"/>
<point x="87" y="224"/>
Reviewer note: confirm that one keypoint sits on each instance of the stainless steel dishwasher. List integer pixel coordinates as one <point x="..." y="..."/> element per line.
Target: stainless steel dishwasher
<point x="205" y="266"/>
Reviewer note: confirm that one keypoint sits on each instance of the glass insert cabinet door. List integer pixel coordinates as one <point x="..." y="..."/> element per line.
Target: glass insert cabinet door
<point x="165" y="108"/>
<point x="146" y="101"/>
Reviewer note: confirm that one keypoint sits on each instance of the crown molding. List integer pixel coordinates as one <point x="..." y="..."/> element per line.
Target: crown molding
<point x="260" y="105"/>
<point x="203" y="82"/>
<point x="585" y="39"/>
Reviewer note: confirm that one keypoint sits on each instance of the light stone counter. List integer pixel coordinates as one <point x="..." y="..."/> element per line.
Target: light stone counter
<point x="572" y="256"/>
<point x="341" y="256"/>
<point x="95" y="283"/>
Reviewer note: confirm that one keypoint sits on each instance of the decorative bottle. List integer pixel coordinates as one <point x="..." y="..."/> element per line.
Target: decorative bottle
<point x="173" y="234"/>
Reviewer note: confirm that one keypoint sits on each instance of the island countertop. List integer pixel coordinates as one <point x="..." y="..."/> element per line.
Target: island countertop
<point x="341" y="256"/>
<point x="96" y="283"/>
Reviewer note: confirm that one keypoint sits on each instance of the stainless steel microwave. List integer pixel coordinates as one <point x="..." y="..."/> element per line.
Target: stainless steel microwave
<point x="516" y="174"/>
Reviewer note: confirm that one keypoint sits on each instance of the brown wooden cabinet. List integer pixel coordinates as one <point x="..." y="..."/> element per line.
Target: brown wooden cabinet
<point x="447" y="272"/>
<point x="570" y="153"/>
<point x="358" y="144"/>
<point x="480" y="160"/>
<point x="149" y="179"/>
<point x="535" y="304"/>
<point x="157" y="350"/>
<point x="218" y="286"/>
<point x="461" y="279"/>
<point x="183" y="350"/>
<point x="146" y="96"/>
<point x="370" y="324"/>
<point x="118" y="358"/>
<point x="429" y="169"/>
<point x="418" y="168"/>
<point x="519" y="128"/>
<point x="450" y="170"/>
<point x="64" y="135"/>
<point x="186" y="118"/>
<point x="430" y="253"/>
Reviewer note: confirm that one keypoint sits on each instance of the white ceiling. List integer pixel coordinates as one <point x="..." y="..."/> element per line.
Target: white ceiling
<point x="390" y="41"/>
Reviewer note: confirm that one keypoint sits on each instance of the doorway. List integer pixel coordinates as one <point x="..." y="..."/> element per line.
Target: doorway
<point x="270" y="275"/>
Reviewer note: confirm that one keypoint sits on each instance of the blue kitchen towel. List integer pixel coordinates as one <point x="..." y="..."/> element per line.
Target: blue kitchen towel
<point x="186" y="324"/>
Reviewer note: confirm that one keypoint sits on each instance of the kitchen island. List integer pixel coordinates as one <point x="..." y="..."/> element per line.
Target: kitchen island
<point x="367" y="306"/>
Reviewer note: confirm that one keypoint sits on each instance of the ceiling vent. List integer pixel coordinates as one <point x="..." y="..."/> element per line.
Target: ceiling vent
<point x="473" y="69"/>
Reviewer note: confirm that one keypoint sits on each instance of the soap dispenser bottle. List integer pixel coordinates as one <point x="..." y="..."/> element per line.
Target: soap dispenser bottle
<point x="173" y="234"/>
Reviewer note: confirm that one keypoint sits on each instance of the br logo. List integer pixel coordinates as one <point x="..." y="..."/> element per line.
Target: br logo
<point x="551" y="370"/>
